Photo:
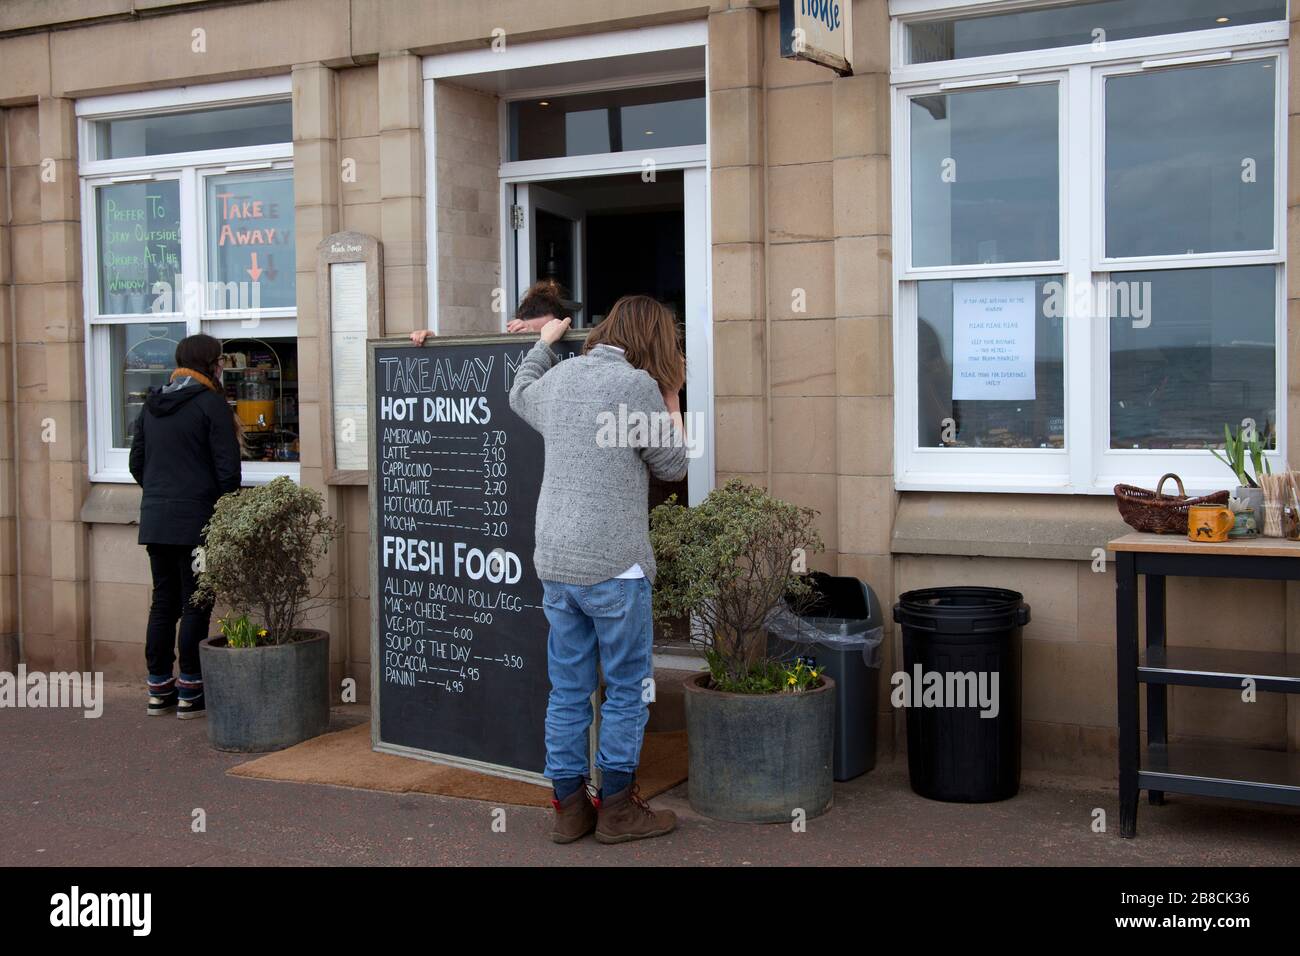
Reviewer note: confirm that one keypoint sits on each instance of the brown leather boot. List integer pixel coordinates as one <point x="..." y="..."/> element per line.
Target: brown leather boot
<point x="575" y="816"/>
<point x="624" y="816"/>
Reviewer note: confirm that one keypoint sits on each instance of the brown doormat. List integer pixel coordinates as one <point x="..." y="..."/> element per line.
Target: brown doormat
<point x="344" y="759"/>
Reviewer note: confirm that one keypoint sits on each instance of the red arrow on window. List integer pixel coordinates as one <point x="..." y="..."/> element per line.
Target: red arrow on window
<point x="255" y="272"/>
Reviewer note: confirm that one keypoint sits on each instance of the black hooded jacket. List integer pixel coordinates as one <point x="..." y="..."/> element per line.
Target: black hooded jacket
<point x="185" y="455"/>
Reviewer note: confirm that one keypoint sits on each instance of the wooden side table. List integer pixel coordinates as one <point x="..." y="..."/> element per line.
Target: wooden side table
<point x="1240" y="773"/>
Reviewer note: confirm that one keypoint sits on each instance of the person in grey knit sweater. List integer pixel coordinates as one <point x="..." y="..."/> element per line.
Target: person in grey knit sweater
<point x="609" y="418"/>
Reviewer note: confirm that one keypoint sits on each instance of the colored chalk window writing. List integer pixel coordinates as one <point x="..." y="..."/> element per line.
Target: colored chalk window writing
<point x="189" y="227"/>
<point x="139" y="233"/>
<point x="249" y="239"/>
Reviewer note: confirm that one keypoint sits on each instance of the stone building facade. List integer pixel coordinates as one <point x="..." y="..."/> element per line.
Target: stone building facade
<point x="801" y="311"/>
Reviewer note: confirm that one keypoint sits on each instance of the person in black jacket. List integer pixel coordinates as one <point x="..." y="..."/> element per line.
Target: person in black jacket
<point x="185" y="455"/>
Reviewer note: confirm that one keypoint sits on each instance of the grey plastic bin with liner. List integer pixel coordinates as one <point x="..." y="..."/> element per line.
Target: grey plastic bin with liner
<point x="841" y="631"/>
<point x="960" y="748"/>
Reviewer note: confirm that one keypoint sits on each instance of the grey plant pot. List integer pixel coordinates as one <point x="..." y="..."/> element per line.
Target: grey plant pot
<point x="756" y="758"/>
<point x="266" y="698"/>
<point x="1255" y="499"/>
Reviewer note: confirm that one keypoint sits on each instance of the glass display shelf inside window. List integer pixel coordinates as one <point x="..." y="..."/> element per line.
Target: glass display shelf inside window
<point x="143" y="355"/>
<point x="261" y="385"/>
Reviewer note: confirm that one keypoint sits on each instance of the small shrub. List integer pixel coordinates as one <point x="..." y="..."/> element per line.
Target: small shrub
<point x="260" y="556"/>
<point x="728" y="562"/>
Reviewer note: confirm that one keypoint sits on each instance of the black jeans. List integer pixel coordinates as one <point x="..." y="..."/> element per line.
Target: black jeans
<point x="174" y="582"/>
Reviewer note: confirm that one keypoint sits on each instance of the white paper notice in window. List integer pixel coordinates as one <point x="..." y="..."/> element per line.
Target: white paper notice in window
<point x="348" y="348"/>
<point x="993" y="340"/>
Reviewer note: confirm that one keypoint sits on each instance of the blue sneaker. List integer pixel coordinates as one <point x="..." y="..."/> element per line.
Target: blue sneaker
<point x="190" y="702"/>
<point x="162" y="696"/>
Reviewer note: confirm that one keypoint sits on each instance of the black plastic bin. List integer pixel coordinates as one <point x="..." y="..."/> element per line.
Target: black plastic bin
<point x="965" y="636"/>
<point x="841" y="631"/>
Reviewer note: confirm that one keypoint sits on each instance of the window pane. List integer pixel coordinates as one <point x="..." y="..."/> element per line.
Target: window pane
<point x="1189" y="160"/>
<point x="1201" y="354"/>
<point x="1076" y="24"/>
<point x="139" y="239"/>
<point x="985" y="182"/>
<point x="253" y="125"/>
<point x="612" y="121"/>
<point x="142" y="356"/>
<point x="990" y="363"/>
<point x="251" y="241"/>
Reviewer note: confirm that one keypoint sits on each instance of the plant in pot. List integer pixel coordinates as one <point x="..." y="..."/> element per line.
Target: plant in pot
<point x="265" y="675"/>
<point x="1239" y="450"/>
<point x="759" y="729"/>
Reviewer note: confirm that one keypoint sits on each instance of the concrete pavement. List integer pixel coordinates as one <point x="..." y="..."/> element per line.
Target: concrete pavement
<point x="123" y="790"/>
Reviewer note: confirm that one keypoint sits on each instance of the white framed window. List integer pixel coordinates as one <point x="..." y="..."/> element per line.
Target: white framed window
<point x="187" y="227"/>
<point x="1090" y="236"/>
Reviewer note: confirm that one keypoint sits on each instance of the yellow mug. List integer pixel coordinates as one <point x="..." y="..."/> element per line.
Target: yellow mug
<point x="1209" y="522"/>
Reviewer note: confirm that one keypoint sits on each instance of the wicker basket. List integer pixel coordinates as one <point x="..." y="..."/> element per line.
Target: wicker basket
<point x="1153" y="511"/>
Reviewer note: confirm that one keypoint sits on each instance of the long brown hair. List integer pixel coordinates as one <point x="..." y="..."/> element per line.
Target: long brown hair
<point x="646" y="331"/>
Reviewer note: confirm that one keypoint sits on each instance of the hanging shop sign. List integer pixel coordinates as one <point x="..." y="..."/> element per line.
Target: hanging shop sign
<point x="820" y="31"/>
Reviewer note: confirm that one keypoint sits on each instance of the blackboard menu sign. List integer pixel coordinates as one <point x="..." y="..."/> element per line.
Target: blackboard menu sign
<point x="458" y="636"/>
<point x="139" y="235"/>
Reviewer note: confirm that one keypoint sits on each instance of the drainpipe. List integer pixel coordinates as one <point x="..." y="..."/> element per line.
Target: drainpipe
<point x="767" y="292"/>
<point x="12" y="397"/>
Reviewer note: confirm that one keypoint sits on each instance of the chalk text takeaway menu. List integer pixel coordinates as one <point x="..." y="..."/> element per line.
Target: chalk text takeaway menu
<point x="458" y="632"/>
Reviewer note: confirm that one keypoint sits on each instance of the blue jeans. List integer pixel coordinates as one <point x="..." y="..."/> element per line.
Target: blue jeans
<point x="612" y="619"/>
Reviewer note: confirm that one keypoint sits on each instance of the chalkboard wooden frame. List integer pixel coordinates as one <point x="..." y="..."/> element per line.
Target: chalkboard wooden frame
<point x="376" y="668"/>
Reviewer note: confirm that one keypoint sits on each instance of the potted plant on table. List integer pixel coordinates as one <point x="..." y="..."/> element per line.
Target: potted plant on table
<point x="1245" y="447"/>
<point x="759" y="730"/>
<point x="266" y="676"/>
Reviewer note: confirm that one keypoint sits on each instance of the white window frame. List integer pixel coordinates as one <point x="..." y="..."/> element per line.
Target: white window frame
<point x="191" y="171"/>
<point x="1086" y="465"/>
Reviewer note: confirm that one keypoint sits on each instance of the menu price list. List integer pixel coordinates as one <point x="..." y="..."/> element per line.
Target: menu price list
<point x="461" y="633"/>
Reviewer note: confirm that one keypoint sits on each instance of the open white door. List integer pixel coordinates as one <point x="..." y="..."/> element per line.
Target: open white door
<point x="699" y="332"/>
<point x="550" y="242"/>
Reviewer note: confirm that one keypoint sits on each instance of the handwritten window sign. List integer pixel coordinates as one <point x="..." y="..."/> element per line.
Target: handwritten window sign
<point x="250" y="238"/>
<point x="458" y="640"/>
<point x="139" y="235"/>
<point x="993" y="326"/>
